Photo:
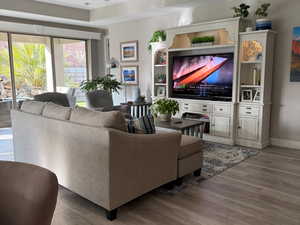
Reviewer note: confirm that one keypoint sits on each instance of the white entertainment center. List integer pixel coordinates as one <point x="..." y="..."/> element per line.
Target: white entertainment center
<point x="245" y="120"/>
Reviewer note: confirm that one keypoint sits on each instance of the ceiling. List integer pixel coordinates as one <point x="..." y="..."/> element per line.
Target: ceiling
<point x="97" y="13"/>
<point x="83" y="4"/>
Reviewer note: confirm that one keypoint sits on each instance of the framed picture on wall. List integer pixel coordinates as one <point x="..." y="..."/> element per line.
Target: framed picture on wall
<point x="295" y="64"/>
<point x="129" y="74"/>
<point x="129" y="51"/>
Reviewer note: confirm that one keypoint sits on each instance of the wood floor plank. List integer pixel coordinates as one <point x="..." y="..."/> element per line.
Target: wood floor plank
<point x="263" y="190"/>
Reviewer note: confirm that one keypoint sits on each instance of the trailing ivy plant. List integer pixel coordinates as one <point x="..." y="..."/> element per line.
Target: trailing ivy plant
<point x="156" y="37"/>
<point x="241" y="10"/>
<point x="262" y="11"/>
<point x="165" y="106"/>
<point x="106" y="83"/>
<point x="204" y="39"/>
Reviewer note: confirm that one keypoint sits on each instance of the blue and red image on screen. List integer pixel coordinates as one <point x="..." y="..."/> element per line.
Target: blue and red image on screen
<point x="203" y="76"/>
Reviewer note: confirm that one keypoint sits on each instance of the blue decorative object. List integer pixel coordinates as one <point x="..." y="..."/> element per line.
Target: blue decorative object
<point x="263" y="24"/>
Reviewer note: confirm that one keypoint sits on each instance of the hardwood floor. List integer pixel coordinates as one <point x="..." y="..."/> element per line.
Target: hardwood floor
<point x="264" y="190"/>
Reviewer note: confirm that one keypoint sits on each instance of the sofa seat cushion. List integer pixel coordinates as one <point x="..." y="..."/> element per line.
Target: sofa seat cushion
<point x="189" y="146"/>
<point x="112" y="119"/>
<point x="33" y="107"/>
<point x="58" y="112"/>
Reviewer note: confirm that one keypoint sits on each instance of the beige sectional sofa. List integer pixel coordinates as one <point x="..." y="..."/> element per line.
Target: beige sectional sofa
<point x="92" y="154"/>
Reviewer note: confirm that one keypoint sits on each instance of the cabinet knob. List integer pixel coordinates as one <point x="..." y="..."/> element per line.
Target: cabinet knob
<point x="239" y="127"/>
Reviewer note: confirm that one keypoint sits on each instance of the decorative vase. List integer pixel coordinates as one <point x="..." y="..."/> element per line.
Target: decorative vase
<point x="164" y="117"/>
<point x="263" y="24"/>
<point x="203" y="44"/>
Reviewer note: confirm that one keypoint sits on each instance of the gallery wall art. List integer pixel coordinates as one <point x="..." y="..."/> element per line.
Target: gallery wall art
<point x="129" y="51"/>
<point x="295" y="66"/>
<point x="129" y="74"/>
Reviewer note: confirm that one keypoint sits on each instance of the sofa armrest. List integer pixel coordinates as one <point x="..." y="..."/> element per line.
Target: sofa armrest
<point x="140" y="163"/>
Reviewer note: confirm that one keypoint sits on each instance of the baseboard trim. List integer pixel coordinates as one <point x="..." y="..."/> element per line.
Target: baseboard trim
<point x="285" y="143"/>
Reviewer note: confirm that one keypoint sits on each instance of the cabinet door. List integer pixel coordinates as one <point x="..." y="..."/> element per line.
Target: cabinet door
<point x="221" y="126"/>
<point x="248" y="128"/>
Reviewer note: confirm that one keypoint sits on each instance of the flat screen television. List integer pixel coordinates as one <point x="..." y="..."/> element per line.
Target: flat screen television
<point x="207" y="77"/>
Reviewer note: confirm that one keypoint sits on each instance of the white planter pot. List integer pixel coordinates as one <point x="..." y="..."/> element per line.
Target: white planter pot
<point x="263" y="24"/>
<point x="164" y="117"/>
<point x="202" y="44"/>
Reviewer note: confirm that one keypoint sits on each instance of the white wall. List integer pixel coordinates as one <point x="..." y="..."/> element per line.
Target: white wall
<point x="285" y="15"/>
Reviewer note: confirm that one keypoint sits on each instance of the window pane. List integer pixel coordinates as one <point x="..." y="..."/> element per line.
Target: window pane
<point x="32" y="65"/>
<point x="5" y="83"/>
<point x="70" y="67"/>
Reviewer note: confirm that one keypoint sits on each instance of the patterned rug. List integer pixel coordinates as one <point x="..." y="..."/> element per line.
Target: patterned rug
<point x="217" y="159"/>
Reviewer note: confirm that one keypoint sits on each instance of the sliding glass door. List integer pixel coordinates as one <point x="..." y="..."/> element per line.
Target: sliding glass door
<point x="32" y="65"/>
<point x="6" y="96"/>
<point x="70" y="66"/>
<point x="28" y="64"/>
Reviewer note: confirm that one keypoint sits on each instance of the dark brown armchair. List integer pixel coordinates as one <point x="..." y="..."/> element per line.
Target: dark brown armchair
<point x="28" y="194"/>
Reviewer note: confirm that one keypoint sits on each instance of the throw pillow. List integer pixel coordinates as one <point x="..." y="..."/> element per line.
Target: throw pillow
<point x="55" y="111"/>
<point x="33" y="107"/>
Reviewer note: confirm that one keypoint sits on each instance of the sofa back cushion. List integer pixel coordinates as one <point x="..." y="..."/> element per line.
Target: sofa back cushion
<point x="33" y="107"/>
<point x="58" y="112"/>
<point x="112" y="119"/>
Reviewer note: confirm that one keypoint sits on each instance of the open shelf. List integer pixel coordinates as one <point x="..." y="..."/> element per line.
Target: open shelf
<point x="202" y="48"/>
<point x="160" y="84"/>
<point x="160" y="65"/>
<point x="250" y="86"/>
<point x="251" y="62"/>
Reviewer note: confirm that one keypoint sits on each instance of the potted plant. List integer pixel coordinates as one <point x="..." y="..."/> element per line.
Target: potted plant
<point x="99" y="91"/>
<point x="105" y="83"/>
<point x="202" y="41"/>
<point x="263" y="23"/>
<point x="241" y="11"/>
<point x="158" y="36"/>
<point x="163" y="109"/>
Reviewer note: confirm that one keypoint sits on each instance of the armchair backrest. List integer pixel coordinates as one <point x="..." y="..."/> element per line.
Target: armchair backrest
<point x="28" y="194"/>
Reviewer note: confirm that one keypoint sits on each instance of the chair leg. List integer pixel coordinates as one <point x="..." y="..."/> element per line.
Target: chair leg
<point x="179" y="181"/>
<point x="197" y="173"/>
<point x="111" y="215"/>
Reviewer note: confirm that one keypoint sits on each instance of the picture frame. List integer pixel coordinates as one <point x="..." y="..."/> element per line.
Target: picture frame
<point x="129" y="74"/>
<point x="129" y="51"/>
<point x="161" y="92"/>
<point x="257" y="96"/>
<point x="247" y="95"/>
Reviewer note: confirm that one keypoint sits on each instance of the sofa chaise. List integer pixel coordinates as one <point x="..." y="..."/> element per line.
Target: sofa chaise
<point x="92" y="154"/>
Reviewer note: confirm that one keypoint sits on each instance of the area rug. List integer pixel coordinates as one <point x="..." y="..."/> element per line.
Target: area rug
<point x="217" y="159"/>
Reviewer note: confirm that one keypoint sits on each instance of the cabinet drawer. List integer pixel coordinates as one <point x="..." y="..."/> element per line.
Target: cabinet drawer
<point x="222" y="109"/>
<point x="200" y="108"/>
<point x="249" y="111"/>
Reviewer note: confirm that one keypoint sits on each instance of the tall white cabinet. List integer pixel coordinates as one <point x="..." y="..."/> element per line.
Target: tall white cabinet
<point x="255" y="86"/>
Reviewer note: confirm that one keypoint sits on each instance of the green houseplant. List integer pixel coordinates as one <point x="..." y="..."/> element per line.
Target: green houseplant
<point x="157" y="36"/>
<point x="106" y="83"/>
<point x="262" y="22"/>
<point x="164" y="109"/>
<point x="202" y="41"/>
<point x="241" y="11"/>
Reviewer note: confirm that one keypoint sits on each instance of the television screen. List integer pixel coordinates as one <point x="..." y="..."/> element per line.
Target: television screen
<point x="203" y="76"/>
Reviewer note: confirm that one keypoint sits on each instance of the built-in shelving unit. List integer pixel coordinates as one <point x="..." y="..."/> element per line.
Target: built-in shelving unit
<point x="255" y="85"/>
<point x="244" y="120"/>
<point x="159" y="70"/>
